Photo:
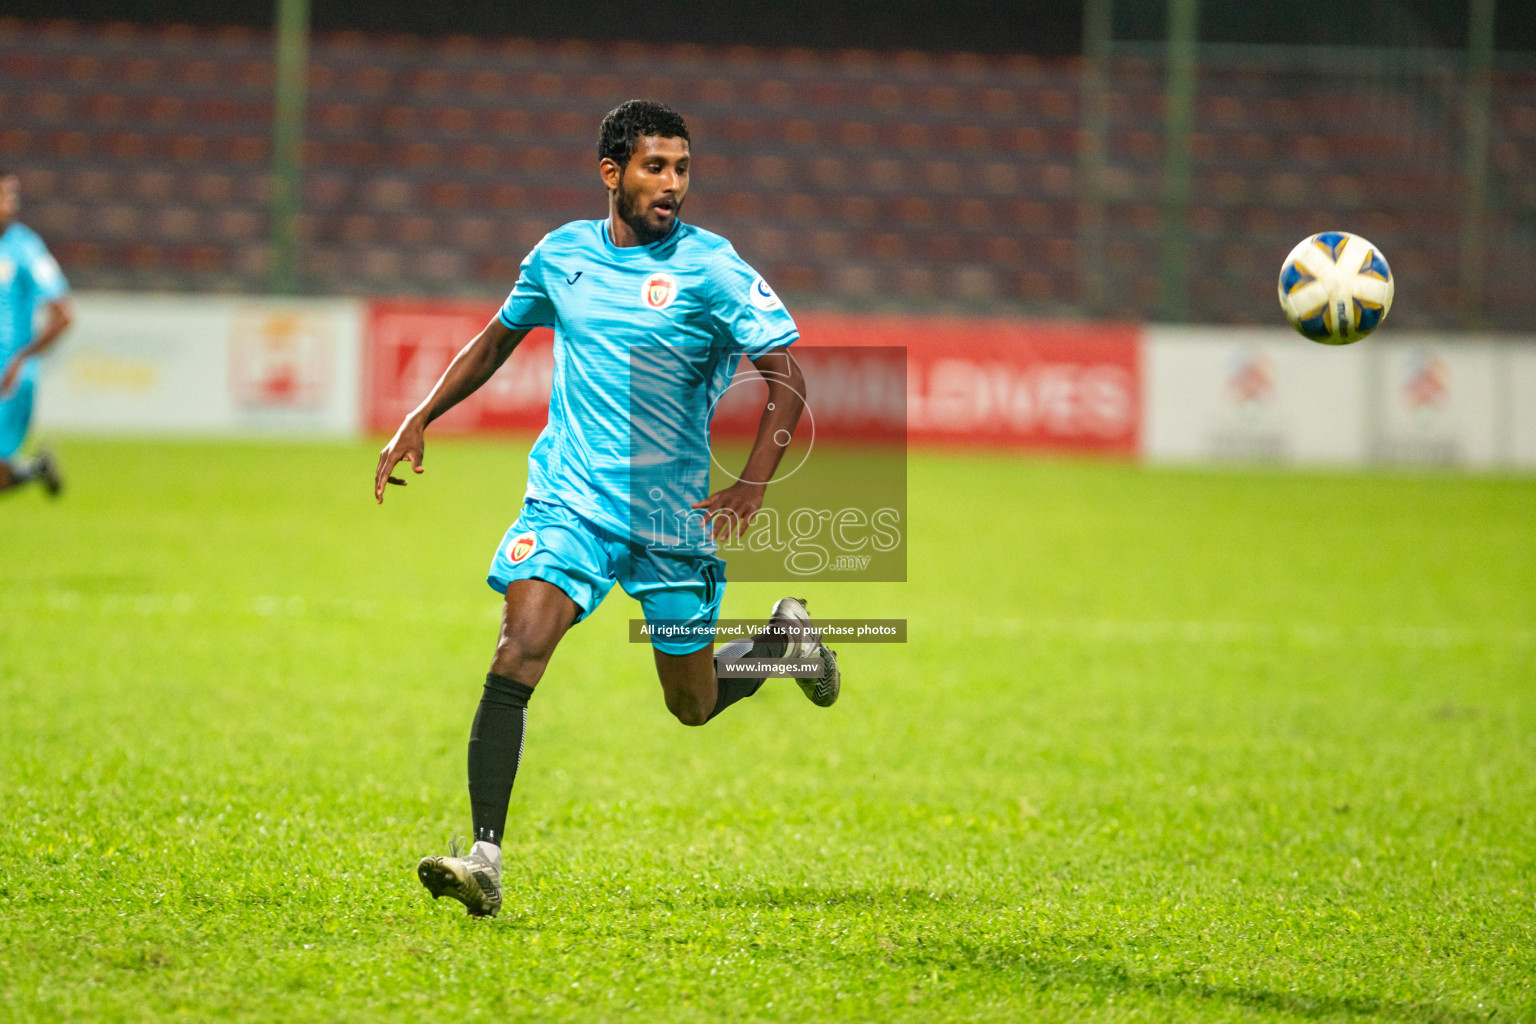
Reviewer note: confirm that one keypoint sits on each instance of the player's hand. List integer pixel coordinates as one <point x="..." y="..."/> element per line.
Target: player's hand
<point x="409" y="442"/>
<point x="8" y="379"/>
<point x="730" y="510"/>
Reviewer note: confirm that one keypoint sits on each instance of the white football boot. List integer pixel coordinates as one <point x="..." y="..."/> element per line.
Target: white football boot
<point x="474" y="880"/>
<point x="805" y="644"/>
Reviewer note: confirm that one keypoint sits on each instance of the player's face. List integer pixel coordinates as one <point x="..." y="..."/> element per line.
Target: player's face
<point x="10" y="198"/>
<point x="649" y="190"/>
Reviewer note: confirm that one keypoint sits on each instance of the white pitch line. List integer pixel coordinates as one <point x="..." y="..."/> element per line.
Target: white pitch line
<point x="1306" y="634"/>
<point x="1135" y="631"/>
<point x="73" y="602"/>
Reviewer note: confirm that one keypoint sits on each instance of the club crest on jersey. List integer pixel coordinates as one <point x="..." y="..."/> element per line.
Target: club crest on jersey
<point x="521" y="547"/>
<point x="658" y="291"/>
<point x="763" y="297"/>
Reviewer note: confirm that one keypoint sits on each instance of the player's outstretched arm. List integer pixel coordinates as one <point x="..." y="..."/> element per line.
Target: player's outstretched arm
<point x="471" y="368"/>
<point x="732" y="509"/>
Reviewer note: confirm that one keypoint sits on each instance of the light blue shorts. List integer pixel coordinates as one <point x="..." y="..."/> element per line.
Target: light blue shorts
<point x="554" y="544"/>
<point x="16" y="410"/>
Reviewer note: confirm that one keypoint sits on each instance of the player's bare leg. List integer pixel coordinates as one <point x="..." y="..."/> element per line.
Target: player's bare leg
<point x="696" y="692"/>
<point x="535" y="616"/>
<point x="688" y="684"/>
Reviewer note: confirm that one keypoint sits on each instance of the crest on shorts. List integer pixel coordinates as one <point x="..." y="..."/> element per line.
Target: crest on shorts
<point x="521" y="547"/>
<point x="658" y="291"/>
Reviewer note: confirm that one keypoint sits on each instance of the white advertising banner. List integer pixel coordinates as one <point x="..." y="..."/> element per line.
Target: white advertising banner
<point x="1439" y="401"/>
<point x="1214" y="393"/>
<point x="207" y="365"/>
<point x="163" y="364"/>
<point x="1522" y="406"/>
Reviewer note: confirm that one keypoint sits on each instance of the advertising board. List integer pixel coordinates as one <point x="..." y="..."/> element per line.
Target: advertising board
<point x="1214" y="393"/>
<point x="994" y="382"/>
<point x="172" y="364"/>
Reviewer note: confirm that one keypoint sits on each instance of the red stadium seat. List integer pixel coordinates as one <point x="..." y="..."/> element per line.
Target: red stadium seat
<point x="382" y="263"/>
<point x="249" y="150"/>
<point x="497" y="267"/>
<point x="105" y="106"/>
<point x="53" y="219"/>
<point x="359" y="229"/>
<point x="441" y="265"/>
<point x="799" y="277"/>
<point x="453" y="120"/>
<point x="152" y="187"/>
<point x="175" y="223"/>
<point x="187" y="149"/>
<point x="141" y="256"/>
<point x="199" y="73"/>
<point x="127" y="145"/>
<point x="238" y="226"/>
<point x="83" y="68"/>
<point x="413" y="229"/>
<point x="473" y="234"/>
<point x="16" y="142"/>
<point x="1035" y="286"/>
<point x="48" y="105"/>
<point x="841" y="168"/>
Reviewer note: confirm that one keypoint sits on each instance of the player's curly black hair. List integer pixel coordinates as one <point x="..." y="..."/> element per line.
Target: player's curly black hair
<point x="632" y="120"/>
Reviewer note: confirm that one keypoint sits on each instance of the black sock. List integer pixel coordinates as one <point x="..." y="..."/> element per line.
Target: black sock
<point x="770" y="643"/>
<point x="495" y="751"/>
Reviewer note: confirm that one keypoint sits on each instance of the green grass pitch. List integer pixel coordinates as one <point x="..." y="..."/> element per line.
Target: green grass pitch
<point x="1194" y="745"/>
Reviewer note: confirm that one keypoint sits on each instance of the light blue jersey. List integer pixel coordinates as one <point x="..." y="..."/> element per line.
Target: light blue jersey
<point x="646" y="340"/>
<point x="29" y="277"/>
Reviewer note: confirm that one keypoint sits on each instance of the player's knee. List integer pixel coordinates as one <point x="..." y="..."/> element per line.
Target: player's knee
<point x="519" y="661"/>
<point x="687" y="710"/>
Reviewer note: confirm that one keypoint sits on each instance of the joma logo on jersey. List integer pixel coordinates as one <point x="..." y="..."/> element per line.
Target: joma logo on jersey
<point x="658" y="291"/>
<point x="521" y="547"/>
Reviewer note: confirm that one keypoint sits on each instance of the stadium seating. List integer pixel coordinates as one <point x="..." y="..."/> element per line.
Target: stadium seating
<point x="854" y="178"/>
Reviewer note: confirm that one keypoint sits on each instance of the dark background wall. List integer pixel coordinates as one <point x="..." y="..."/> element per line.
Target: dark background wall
<point x="983" y="26"/>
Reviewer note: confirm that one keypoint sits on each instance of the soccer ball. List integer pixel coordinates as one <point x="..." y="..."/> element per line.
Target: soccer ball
<point x="1335" y="287"/>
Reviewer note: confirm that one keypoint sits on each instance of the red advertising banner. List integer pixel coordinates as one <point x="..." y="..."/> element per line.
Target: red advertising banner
<point x="851" y="394"/>
<point x="1011" y="383"/>
<point x="1072" y="386"/>
<point x="409" y="344"/>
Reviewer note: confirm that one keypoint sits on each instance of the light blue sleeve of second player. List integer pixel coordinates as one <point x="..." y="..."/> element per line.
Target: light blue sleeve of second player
<point x="529" y="305"/>
<point x="745" y="309"/>
<point x="43" y="269"/>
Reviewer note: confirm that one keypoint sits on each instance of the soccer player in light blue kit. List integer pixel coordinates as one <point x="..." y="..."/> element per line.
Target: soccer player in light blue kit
<point x="651" y="317"/>
<point x="29" y="278"/>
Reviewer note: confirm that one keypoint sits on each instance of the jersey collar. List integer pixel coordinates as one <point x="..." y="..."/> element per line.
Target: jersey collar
<point x="629" y="252"/>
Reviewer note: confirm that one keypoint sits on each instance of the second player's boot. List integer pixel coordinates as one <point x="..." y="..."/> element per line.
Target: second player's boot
<point x="47" y="470"/>
<point x="474" y="880"/>
<point x="805" y="643"/>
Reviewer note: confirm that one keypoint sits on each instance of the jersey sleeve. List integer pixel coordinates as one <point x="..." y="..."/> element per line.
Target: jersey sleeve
<point x="47" y="279"/>
<point x="529" y="305"/>
<point x="745" y="309"/>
